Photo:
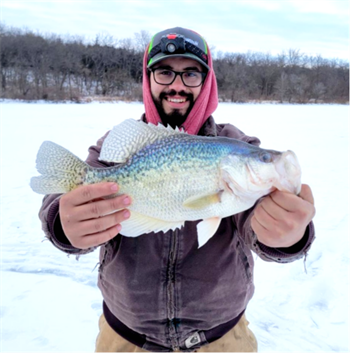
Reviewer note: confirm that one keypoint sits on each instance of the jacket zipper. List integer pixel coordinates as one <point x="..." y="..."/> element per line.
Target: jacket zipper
<point x="171" y="290"/>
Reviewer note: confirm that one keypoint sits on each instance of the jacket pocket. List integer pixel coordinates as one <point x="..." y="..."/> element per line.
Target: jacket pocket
<point x="107" y="253"/>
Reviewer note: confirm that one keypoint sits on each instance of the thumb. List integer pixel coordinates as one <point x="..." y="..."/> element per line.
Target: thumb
<point x="306" y="194"/>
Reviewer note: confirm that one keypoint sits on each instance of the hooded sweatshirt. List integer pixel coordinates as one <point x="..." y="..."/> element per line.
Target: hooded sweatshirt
<point x="204" y="106"/>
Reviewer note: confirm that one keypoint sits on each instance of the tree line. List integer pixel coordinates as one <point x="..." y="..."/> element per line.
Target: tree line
<point x="51" y="67"/>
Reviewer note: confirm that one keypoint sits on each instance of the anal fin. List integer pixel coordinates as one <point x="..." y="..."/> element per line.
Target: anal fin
<point x="206" y="229"/>
<point x="139" y="224"/>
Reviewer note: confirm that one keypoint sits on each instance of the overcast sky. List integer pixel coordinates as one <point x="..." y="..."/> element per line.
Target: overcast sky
<point x="315" y="27"/>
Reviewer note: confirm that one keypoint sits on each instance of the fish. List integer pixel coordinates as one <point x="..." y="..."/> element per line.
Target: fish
<point x="173" y="177"/>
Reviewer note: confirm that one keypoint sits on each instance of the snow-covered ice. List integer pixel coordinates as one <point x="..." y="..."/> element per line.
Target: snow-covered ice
<point x="50" y="302"/>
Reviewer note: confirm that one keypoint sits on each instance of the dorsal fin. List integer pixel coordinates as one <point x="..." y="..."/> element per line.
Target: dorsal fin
<point x="129" y="137"/>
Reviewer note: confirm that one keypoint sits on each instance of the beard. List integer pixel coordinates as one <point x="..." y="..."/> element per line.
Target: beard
<point x="176" y="118"/>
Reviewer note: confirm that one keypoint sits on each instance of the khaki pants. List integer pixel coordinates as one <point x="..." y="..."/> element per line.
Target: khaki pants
<point x="239" y="339"/>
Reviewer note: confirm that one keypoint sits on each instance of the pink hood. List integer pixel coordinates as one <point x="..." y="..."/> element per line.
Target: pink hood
<point x="204" y="106"/>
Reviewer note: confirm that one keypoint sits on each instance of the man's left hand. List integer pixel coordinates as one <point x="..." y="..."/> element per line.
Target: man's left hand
<point x="281" y="218"/>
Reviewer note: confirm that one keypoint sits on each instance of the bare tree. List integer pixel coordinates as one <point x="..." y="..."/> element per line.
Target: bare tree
<point x="141" y="40"/>
<point x="37" y="66"/>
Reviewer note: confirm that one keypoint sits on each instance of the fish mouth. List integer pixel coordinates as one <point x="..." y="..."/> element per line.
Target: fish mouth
<point x="289" y="171"/>
<point x="285" y="177"/>
<point x="265" y="185"/>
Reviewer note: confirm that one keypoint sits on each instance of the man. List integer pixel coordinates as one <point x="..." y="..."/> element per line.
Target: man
<point x="162" y="293"/>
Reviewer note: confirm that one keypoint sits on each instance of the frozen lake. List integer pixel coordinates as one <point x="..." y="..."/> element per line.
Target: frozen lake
<point x="50" y="302"/>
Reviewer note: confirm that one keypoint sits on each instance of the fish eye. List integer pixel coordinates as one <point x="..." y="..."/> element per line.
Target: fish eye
<point x="266" y="157"/>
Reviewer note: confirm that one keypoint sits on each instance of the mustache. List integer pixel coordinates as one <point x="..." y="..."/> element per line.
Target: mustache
<point x="172" y="93"/>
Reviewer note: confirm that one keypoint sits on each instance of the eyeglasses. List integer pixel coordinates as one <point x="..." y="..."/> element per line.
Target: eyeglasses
<point x="167" y="77"/>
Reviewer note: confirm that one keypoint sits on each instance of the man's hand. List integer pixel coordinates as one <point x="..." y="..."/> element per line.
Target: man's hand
<point x="280" y="219"/>
<point x="89" y="220"/>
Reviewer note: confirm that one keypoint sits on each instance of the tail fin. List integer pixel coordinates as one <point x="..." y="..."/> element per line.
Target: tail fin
<point x="61" y="171"/>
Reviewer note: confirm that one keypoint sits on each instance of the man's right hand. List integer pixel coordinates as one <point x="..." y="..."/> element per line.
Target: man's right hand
<point x="87" y="219"/>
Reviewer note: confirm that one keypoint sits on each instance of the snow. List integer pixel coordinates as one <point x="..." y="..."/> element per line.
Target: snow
<point x="50" y="302"/>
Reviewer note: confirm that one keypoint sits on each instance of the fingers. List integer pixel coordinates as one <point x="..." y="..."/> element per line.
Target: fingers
<point x="97" y="225"/>
<point x="86" y="193"/>
<point x="269" y="210"/>
<point x="90" y="220"/>
<point x="285" y="200"/>
<point x="291" y="202"/>
<point x="98" y="231"/>
<point x="281" y="218"/>
<point x="267" y="219"/>
<point x="97" y="239"/>
<point x="306" y="194"/>
<point x="100" y="208"/>
<point x="303" y="204"/>
<point x="259" y="229"/>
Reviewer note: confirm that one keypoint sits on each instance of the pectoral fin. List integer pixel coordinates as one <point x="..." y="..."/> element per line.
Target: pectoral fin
<point x="202" y="201"/>
<point x="139" y="224"/>
<point x="206" y="229"/>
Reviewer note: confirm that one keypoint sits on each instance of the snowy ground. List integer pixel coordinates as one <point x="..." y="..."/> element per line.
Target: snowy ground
<point x="50" y="302"/>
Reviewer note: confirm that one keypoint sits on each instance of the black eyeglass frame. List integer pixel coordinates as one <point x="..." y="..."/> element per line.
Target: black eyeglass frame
<point x="178" y="73"/>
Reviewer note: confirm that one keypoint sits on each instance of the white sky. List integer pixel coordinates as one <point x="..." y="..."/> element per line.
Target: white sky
<point x="315" y="27"/>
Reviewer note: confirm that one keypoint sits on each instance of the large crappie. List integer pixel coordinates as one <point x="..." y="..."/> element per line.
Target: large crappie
<point x="173" y="177"/>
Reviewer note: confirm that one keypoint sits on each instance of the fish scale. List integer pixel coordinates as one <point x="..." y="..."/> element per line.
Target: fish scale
<point x="169" y="172"/>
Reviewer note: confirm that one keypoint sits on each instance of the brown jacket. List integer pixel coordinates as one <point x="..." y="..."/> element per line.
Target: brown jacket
<point x="160" y="290"/>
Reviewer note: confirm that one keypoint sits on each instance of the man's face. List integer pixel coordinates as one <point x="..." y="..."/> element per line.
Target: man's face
<point x="175" y="101"/>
